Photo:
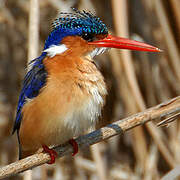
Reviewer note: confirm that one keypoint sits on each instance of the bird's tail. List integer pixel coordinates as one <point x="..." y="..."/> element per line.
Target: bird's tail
<point x="20" y="150"/>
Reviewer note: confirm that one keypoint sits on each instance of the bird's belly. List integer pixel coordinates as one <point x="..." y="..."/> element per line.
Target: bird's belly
<point x="61" y="113"/>
<point x="84" y="116"/>
<point x="76" y="121"/>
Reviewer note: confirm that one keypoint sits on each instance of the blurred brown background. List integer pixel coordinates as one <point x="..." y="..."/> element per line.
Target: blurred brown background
<point x="135" y="80"/>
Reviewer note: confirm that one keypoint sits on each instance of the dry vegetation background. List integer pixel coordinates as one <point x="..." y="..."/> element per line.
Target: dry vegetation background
<point x="135" y="80"/>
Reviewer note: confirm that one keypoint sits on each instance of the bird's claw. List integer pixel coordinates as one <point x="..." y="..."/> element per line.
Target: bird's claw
<point x="53" y="154"/>
<point x="74" y="145"/>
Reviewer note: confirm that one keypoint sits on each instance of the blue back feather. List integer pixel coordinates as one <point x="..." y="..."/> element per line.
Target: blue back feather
<point x="33" y="82"/>
<point x="67" y="24"/>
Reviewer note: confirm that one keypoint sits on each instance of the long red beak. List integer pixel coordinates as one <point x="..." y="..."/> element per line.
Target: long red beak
<point x="123" y="43"/>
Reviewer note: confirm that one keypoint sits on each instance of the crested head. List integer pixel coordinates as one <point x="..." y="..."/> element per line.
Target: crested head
<point x="87" y="32"/>
<point x="86" y="22"/>
<point x="83" y="24"/>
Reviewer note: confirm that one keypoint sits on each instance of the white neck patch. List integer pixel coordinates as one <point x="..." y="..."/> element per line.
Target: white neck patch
<point x="97" y="51"/>
<point x="55" y="49"/>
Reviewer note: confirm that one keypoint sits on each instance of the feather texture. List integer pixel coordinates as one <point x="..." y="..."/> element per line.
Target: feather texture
<point x="63" y="92"/>
<point x="67" y="106"/>
<point x="54" y="50"/>
<point x="34" y="80"/>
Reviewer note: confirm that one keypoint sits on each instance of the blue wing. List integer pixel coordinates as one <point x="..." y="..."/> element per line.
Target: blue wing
<point x="34" y="80"/>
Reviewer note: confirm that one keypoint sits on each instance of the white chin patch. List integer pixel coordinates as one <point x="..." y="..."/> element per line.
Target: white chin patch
<point x="97" y="51"/>
<point x="55" y="49"/>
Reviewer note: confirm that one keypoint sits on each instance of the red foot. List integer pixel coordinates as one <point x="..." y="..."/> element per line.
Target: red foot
<point x="53" y="154"/>
<point x="74" y="145"/>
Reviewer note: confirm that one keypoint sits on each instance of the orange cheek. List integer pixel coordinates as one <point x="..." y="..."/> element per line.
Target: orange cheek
<point x="77" y="45"/>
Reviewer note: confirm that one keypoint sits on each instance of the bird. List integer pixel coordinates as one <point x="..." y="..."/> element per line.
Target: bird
<point x="63" y="91"/>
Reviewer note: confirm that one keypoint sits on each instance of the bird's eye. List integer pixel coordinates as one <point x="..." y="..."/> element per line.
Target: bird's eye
<point x="88" y="37"/>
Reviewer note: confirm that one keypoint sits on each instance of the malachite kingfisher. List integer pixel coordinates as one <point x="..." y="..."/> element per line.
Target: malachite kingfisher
<point x="63" y="91"/>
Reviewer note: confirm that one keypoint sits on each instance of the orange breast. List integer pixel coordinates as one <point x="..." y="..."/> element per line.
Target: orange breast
<point x="68" y="105"/>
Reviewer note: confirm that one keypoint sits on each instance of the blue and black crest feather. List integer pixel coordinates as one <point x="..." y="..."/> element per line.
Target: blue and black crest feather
<point x="74" y="24"/>
<point x="84" y="20"/>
